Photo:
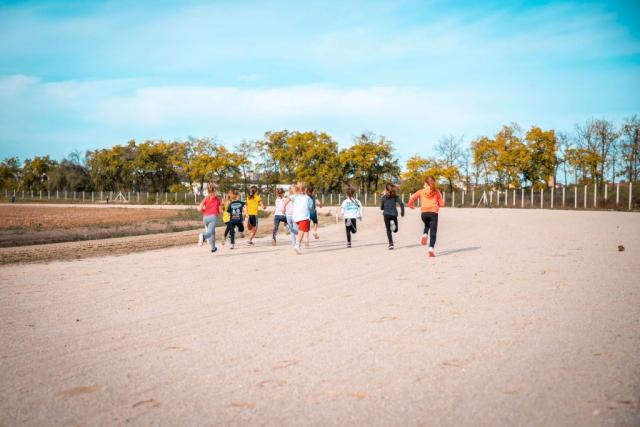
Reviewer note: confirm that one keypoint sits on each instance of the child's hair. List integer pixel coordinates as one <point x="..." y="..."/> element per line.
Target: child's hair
<point x="351" y="193"/>
<point x="302" y="187"/>
<point x="392" y="191"/>
<point x="280" y="192"/>
<point x="233" y="194"/>
<point x="211" y="190"/>
<point x="226" y="200"/>
<point x="309" y="191"/>
<point x="293" y="189"/>
<point x="253" y="190"/>
<point x="431" y="182"/>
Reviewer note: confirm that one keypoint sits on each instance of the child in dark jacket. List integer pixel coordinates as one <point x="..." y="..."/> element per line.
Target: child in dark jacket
<point x="389" y="210"/>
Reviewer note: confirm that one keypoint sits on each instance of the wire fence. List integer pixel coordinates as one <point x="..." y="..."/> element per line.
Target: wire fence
<point x="619" y="196"/>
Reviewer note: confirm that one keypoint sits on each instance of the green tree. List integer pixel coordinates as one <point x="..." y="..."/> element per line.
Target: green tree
<point x="36" y="172"/>
<point x="370" y="161"/>
<point x="10" y="173"/>
<point x="630" y="148"/>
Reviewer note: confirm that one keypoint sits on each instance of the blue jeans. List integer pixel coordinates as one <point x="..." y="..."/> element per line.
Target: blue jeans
<point x="210" y="221"/>
<point x="293" y="227"/>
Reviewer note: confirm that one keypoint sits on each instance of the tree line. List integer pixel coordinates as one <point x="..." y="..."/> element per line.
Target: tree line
<point x="593" y="152"/>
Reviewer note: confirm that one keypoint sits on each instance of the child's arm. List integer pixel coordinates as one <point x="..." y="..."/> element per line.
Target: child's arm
<point x="319" y="203"/>
<point x="401" y="206"/>
<point x="382" y="202"/>
<point x="413" y="197"/>
<point x="201" y="207"/>
<point x="440" y="201"/>
<point x="262" y="205"/>
<point x="342" y="207"/>
<point x="285" y="203"/>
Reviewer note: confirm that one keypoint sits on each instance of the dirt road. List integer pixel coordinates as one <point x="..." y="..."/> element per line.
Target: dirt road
<point x="525" y="318"/>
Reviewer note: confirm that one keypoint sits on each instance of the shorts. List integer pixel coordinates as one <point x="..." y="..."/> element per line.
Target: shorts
<point x="303" y="225"/>
<point x="253" y="220"/>
<point x="314" y="217"/>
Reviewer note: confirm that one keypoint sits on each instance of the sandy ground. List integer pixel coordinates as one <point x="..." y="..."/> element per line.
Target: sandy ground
<point x="524" y="318"/>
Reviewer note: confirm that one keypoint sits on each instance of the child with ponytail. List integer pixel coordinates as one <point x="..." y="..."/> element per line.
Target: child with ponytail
<point x="351" y="209"/>
<point x="430" y="203"/>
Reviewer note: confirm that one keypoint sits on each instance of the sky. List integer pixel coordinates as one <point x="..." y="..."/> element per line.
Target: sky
<point x="86" y="75"/>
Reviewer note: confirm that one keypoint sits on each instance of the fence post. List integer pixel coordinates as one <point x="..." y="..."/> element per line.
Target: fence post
<point x="514" y="197"/>
<point x="83" y="195"/>
<point x="473" y="197"/>
<point x="522" y="190"/>
<point x="552" y="197"/>
<point x="542" y="198"/>
<point x="630" y="194"/>
<point x="100" y="195"/>
<point x="563" y="188"/>
<point x="462" y="198"/>
<point x="48" y="194"/>
<point x="268" y="199"/>
<point x="453" y="199"/>
<point x="40" y="194"/>
<point x="444" y="198"/>
<point x="585" y="197"/>
<point x="491" y="197"/>
<point x="57" y="195"/>
<point x="23" y="194"/>
<point x="531" y="196"/>
<point x="74" y="195"/>
<point x="575" y="197"/>
<point x="375" y="199"/>
<point x="322" y="199"/>
<point x="606" y="189"/>
<point x="365" y="198"/>
<point x="595" y="195"/>
<point x="618" y="195"/>
<point x="331" y="198"/>
<point x="65" y="194"/>
<point x="92" y="196"/>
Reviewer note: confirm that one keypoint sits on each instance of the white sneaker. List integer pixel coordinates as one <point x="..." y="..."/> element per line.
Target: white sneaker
<point x="315" y="234"/>
<point x="200" y="239"/>
<point x="232" y="246"/>
<point x="297" y="249"/>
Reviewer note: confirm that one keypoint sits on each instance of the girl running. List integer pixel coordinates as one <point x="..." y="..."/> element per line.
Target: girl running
<point x="226" y="218"/>
<point x="236" y="210"/>
<point x="430" y="204"/>
<point x="313" y="216"/>
<point x="288" y="212"/>
<point x="253" y="201"/>
<point x="389" y="210"/>
<point x="210" y="207"/>
<point x="279" y="216"/>
<point x="351" y="209"/>
<point x="301" y="211"/>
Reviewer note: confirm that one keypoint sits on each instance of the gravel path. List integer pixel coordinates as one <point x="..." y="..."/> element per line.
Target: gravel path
<point x="526" y="317"/>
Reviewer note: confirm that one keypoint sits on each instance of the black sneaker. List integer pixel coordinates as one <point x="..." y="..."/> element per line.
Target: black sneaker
<point x="250" y="243"/>
<point x="214" y="250"/>
<point x="391" y="247"/>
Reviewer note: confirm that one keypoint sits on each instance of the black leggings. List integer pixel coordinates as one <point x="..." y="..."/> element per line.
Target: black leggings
<point x="430" y="220"/>
<point x="387" y="223"/>
<point x="232" y="226"/>
<point x="228" y="229"/>
<point x="276" y="223"/>
<point x="351" y="229"/>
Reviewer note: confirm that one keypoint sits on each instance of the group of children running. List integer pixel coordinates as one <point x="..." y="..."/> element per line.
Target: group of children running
<point x="299" y="209"/>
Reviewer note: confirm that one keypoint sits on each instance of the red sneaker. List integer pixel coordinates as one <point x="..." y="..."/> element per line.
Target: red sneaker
<point x="431" y="254"/>
<point x="424" y="240"/>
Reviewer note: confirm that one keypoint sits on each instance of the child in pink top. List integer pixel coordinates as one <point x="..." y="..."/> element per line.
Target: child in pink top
<point x="210" y="207"/>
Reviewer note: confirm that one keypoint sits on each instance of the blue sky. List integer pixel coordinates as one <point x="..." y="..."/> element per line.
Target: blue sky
<point x="86" y="75"/>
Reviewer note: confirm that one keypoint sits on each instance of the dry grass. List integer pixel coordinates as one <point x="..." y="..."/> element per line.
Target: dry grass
<point x="43" y="217"/>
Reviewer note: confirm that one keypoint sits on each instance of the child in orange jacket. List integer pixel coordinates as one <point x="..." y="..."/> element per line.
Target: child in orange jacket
<point x="430" y="203"/>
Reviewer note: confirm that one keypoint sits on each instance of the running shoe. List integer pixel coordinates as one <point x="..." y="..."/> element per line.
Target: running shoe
<point x="273" y="242"/>
<point x="232" y="246"/>
<point x="391" y="247"/>
<point x="306" y="242"/>
<point x="348" y="244"/>
<point x="431" y="254"/>
<point x="297" y="249"/>
<point x="250" y="243"/>
<point x="200" y="239"/>
<point x="393" y="226"/>
<point x="224" y="239"/>
<point x="214" y="250"/>
<point x="424" y="239"/>
<point x="315" y="234"/>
